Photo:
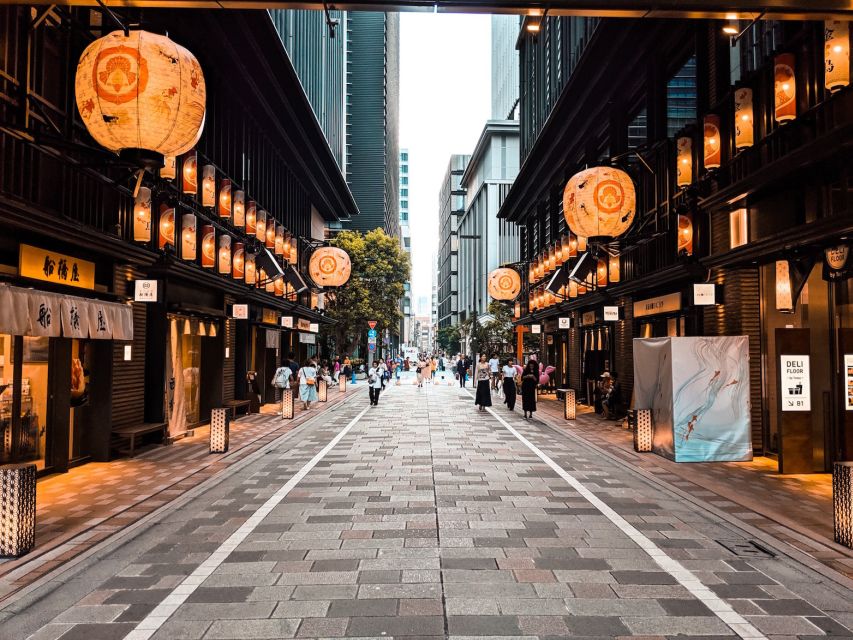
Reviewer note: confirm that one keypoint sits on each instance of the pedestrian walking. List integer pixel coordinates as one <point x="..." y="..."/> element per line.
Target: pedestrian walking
<point x="308" y="384"/>
<point x="483" y="376"/>
<point x="375" y="382"/>
<point x="495" y="371"/>
<point x="337" y="371"/>
<point x="420" y="371"/>
<point x="529" y="382"/>
<point x="509" y="386"/>
<point x="281" y="380"/>
<point x="460" y="371"/>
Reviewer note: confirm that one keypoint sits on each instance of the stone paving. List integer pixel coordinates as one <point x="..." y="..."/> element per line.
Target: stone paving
<point x="428" y="519"/>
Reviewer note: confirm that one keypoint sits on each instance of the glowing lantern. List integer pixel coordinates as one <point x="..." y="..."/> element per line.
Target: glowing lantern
<point x="531" y="302"/>
<point x="251" y="218"/>
<point x="573" y="289"/>
<point x="142" y="215"/>
<point x="269" y="285"/>
<point x="285" y="244"/>
<point x="329" y="267"/>
<point x="249" y="274"/>
<point x="208" y="246"/>
<point x="744" y="124"/>
<point x="279" y="240"/>
<point x="573" y="246"/>
<point x="279" y="287"/>
<point x="188" y="239"/>
<point x="711" y="142"/>
<point x="531" y="272"/>
<point x="167" y="226"/>
<point x="599" y="202"/>
<point x="836" y="54"/>
<point x="169" y="170"/>
<point x="141" y="95"/>
<point x="552" y="258"/>
<point x="558" y="252"/>
<point x="601" y="273"/>
<point x="225" y="254"/>
<point x="237" y="261"/>
<point x="784" y="88"/>
<point x="294" y="253"/>
<point x="684" y="161"/>
<point x="784" y="291"/>
<point x="269" y="241"/>
<point x="208" y="186"/>
<point x="261" y="225"/>
<point x="225" y="198"/>
<point x="613" y="271"/>
<point x="189" y="173"/>
<point x="685" y="234"/>
<point x="581" y="243"/>
<point x="239" y="199"/>
<point x="504" y="284"/>
<point x="517" y="310"/>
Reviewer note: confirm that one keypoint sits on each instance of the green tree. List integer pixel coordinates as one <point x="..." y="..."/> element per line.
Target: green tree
<point x="448" y="339"/>
<point x="497" y="333"/>
<point x="379" y="269"/>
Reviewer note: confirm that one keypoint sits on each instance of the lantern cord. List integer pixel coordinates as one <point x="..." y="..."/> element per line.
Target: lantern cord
<point x="109" y="12"/>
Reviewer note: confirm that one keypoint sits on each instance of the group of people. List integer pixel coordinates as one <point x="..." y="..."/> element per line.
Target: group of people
<point x="304" y="378"/>
<point x="490" y="375"/>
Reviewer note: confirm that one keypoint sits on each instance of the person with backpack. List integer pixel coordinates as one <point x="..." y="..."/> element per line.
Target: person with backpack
<point x="375" y="382"/>
<point x="307" y="377"/>
<point x="281" y="380"/>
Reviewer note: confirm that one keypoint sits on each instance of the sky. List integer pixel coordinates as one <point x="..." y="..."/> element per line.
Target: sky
<point x="445" y="100"/>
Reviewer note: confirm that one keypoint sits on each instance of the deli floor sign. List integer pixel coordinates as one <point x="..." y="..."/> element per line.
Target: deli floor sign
<point x="796" y="390"/>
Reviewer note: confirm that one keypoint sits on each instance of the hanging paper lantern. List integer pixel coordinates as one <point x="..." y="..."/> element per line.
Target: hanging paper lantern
<point x="329" y="266"/>
<point x="208" y="246"/>
<point x="279" y="240"/>
<point x="261" y="225"/>
<point x="189" y="173"/>
<point x="684" y="162"/>
<point x="269" y="285"/>
<point x="784" y="290"/>
<point x="188" y="236"/>
<point x="294" y="253"/>
<point x="504" y="284"/>
<point x="167" y="226"/>
<point x="531" y="301"/>
<point x="784" y="88"/>
<point x="581" y="243"/>
<point x="573" y="246"/>
<point x="599" y="202"/>
<point x="251" y="218"/>
<point x="601" y="273"/>
<point x="573" y="289"/>
<point x="711" y="142"/>
<point x="269" y="241"/>
<point x="552" y="258"/>
<point x="237" y="264"/>
<point x="836" y="54"/>
<point x="141" y="94"/>
<point x="224" y="254"/>
<point x="279" y="287"/>
<point x="208" y="186"/>
<point x="239" y="206"/>
<point x="142" y="215"/>
<point x="558" y="252"/>
<point x="169" y="170"/>
<point x="250" y="276"/>
<point x="613" y="271"/>
<point x="685" y="234"/>
<point x="744" y="124"/>
<point x="531" y="272"/>
<point x="285" y="245"/>
<point x="517" y="310"/>
<point x="225" y="198"/>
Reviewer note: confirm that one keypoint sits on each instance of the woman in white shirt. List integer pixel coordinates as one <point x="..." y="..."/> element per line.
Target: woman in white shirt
<point x="508" y="373"/>
<point x="374" y="382"/>
<point x="308" y="384"/>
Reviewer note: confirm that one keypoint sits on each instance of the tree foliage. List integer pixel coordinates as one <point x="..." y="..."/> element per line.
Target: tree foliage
<point x="448" y="339"/>
<point x="497" y="333"/>
<point x="380" y="268"/>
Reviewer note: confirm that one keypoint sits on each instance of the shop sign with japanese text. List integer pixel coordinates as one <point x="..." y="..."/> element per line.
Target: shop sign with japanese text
<point x="58" y="268"/>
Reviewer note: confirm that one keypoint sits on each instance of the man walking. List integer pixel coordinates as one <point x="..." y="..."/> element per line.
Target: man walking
<point x="460" y="371"/>
<point x="374" y="382"/>
<point x="494" y="370"/>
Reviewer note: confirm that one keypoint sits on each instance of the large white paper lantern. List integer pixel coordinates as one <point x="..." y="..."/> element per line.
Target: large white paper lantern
<point x="188" y="236"/>
<point x="599" y="202"/>
<point x="141" y="93"/>
<point x="744" y="125"/>
<point x="784" y="88"/>
<point x="329" y="266"/>
<point x="684" y="160"/>
<point x="504" y="284"/>
<point x="836" y="54"/>
<point x="142" y="215"/>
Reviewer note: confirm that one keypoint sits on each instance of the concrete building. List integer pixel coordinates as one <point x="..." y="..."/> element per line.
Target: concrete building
<point x="406" y="243"/>
<point x="485" y="242"/>
<point x="504" y="67"/>
<point x="451" y="205"/>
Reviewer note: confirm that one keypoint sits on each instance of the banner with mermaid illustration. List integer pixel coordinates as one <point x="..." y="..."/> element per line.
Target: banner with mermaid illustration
<point x="698" y="390"/>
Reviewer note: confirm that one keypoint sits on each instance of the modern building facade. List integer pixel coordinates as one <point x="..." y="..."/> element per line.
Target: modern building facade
<point x="140" y="315"/>
<point x="372" y="119"/>
<point x="741" y="158"/>
<point x="504" y="67"/>
<point x="485" y="241"/>
<point x="406" y="243"/>
<point x="451" y="205"/>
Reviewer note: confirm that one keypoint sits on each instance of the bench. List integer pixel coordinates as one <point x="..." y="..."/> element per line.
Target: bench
<point x="237" y="404"/>
<point x="131" y="432"/>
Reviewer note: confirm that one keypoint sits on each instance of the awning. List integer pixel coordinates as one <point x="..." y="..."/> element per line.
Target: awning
<point x="28" y="312"/>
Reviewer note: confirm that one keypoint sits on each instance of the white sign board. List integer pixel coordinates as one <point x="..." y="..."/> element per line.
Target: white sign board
<point x="240" y="311"/>
<point x="128" y="352"/>
<point x="315" y="327"/>
<point x="287" y="322"/>
<point x="848" y="378"/>
<point x="796" y="392"/>
<point x="145" y="291"/>
<point x="307" y="338"/>
<point x="564" y="323"/>
<point x="704" y="294"/>
<point x="536" y="328"/>
<point x="611" y="314"/>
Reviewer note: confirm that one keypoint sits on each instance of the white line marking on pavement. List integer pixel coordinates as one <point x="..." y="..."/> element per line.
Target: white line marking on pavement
<point x="154" y="620"/>
<point x="682" y="575"/>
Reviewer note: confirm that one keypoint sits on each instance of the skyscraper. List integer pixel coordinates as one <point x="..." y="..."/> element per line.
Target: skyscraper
<point x="504" y="66"/>
<point x="406" y="243"/>
<point x="372" y="119"/>
<point x="451" y="204"/>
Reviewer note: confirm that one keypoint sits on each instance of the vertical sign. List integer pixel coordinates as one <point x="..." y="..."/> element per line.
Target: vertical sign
<point x="848" y="378"/>
<point x="796" y="390"/>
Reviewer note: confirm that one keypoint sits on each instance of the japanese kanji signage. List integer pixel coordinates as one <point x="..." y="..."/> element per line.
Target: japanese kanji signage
<point x="49" y="266"/>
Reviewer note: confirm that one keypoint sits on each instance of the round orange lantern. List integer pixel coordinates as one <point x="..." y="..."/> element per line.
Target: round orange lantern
<point x="141" y="95"/>
<point x="504" y="284"/>
<point x="329" y="267"/>
<point x="599" y="202"/>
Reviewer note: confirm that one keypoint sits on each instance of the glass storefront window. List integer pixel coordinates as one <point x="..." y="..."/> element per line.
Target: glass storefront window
<point x="23" y="391"/>
<point x="191" y="359"/>
<point x="6" y="389"/>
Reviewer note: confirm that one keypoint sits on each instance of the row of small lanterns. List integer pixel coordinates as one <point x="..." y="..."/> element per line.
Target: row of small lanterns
<point x="836" y="77"/>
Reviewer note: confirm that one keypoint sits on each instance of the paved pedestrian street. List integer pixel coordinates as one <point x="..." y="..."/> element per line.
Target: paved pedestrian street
<point x="423" y="518"/>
